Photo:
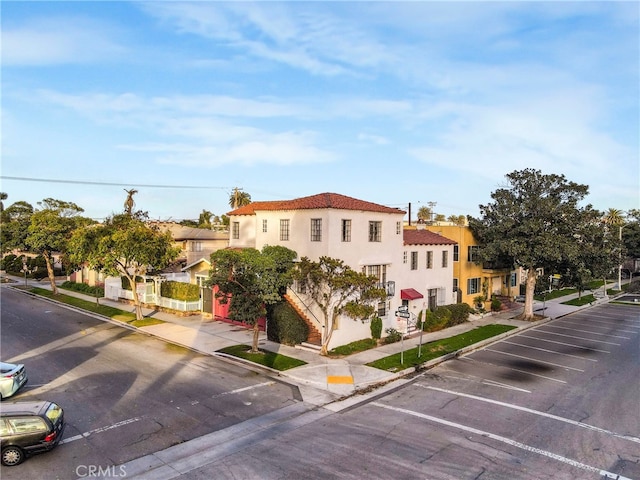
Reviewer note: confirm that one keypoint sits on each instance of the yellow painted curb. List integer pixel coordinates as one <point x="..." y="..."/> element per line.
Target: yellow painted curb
<point x="339" y="379"/>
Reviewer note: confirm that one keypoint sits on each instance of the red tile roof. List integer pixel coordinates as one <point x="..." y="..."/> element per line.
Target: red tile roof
<point x="425" y="237"/>
<point x="319" y="201"/>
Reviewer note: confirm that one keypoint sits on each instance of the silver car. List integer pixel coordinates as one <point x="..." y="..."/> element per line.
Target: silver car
<point x="12" y="377"/>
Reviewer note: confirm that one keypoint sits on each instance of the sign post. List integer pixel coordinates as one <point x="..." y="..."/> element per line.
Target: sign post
<point x="402" y="318"/>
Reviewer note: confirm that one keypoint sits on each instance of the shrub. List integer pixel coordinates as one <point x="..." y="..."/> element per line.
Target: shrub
<point x="376" y="328"/>
<point x="83" y="288"/>
<point x="446" y="316"/>
<point x="284" y="325"/>
<point x="125" y="282"/>
<point x="187" y="292"/>
<point x="393" y="336"/>
<point x="496" y="305"/>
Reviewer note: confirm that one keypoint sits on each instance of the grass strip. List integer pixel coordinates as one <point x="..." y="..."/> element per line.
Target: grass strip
<point x="578" y="302"/>
<point x="263" y="357"/>
<point x="107" y="311"/>
<point x="354" y="347"/>
<point x="438" y="348"/>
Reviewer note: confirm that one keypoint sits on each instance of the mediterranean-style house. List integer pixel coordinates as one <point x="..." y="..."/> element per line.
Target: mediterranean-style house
<point x="471" y="279"/>
<point x="414" y="266"/>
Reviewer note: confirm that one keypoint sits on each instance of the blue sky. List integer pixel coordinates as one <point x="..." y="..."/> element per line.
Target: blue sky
<point x="389" y="102"/>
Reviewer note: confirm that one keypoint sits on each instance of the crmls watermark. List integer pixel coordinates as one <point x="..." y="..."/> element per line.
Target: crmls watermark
<point x="88" y="471"/>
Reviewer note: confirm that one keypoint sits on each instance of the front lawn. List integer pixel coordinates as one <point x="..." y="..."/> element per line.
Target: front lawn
<point x="263" y="357"/>
<point x="578" y="302"/>
<point x="438" y="348"/>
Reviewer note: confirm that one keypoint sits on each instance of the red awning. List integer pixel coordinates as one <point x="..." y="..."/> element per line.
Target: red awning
<point x="410" y="294"/>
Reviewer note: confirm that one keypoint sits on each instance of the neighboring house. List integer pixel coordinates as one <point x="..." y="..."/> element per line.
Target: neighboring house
<point x="195" y="243"/>
<point x="471" y="279"/>
<point x="368" y="237"/>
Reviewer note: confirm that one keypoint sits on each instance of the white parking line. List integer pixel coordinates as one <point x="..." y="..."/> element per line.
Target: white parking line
<point x="549" y="351"/>
<point x="562" y="343"/>
<point x="535" y="412"/>
<point x="533" y="360"/>
<point x="506" y="440"/>
<point x="589" y="332"/>
<point x="593" y="322"/>
<point x="518" y="370"/>
<point x="493" y="383"/>
<point x="99" y="430"/>
<point x="243" y="389"/>
<point x="573" y="336"/>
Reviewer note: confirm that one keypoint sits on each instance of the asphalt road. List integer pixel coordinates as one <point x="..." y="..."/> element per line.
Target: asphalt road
<point x="125" y="395"/>
<point x="559" y="401"/>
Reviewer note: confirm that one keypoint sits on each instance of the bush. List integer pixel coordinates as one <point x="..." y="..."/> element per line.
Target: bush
<point x="446" y="316"/>
<point x="376" y="328"/>
<point x="284" y="325"/>
<point x="187" y="292"/>
<point x="496" y="305"/>
<point x="83" y="288"/>
<point x="393" y="336"/>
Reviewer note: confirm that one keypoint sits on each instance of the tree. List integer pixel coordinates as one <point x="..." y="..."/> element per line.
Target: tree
<point x="129" y="203"/>
<point x="614" y="220"/>
<point x="3" y="197"/>
<point x="125" y="245"/>
<point x="50" y="229"/>
<point x="250" y="280"/>
<point x="238" y="198"/>
<point x="531" y="224"/>
<point x="337" y="290"/>
<point x="204" y="221"/>
<point x="14" y="225"/>
<point x="631" y="233"/>
<point x="424" y="214"/>
<point x="460" y="220"/>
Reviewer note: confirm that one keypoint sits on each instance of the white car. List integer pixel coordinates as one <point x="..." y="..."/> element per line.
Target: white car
<point x="12" y="377"/>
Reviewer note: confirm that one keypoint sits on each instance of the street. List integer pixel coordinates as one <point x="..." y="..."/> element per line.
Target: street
<point x="125" y="395"/>
<point x="559" y="401"/>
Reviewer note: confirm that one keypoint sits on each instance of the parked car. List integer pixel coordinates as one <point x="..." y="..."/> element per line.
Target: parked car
<point x="27" y="428"/>
<point x="12" y="377"/>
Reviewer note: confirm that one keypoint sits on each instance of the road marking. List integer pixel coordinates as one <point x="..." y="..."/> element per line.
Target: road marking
<point x="508" y="441"/>
<point x="593" y="322"/>
<point x="533" y="359"/>
<point x="565" y="344"/>
<point x="537" y="329"/>
<point x="493" y="383"/>
<point x="535" y="412"/>
<point x="99" y="430"/>
<point x="589" y="332"/>
<point x="347" y="379"/>
<point x="243" y="389"/>
<point x="549" y="351"/>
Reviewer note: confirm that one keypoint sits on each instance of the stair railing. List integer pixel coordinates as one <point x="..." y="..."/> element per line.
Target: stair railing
<point x="307" y="310"/>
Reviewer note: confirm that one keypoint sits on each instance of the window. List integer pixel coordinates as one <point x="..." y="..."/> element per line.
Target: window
<point x="346" y="230"/>
<point x="382" y="309"/>
<point x="375" y="231"/>
<point x="398" y="228"/>
<point x="284" y="229"/>
<point x="429" y="259"/>
<point x="27" y="424"/>
<point x="473" y="253"/>
<point x="445" y="259"/>
<point x="455" y="285"/>
<point x="404" y="257"/>
<point x="316" y="229"/>
<point x="414" y="260"/>
<point x="235" y="230"/>
<point x="456" y="252"/>
<point x="196" y="246"/>
<point x="514" y="279"/>
<point x="473" y="286"/>
<point x="378" y="271"/>
<point x="264" y="225"/>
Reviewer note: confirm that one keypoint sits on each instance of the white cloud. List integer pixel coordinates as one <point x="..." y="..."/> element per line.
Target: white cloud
<point x="54" y="41"/>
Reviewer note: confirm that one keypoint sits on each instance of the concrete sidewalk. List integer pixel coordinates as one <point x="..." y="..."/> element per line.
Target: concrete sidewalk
<point x="322" y="380"/>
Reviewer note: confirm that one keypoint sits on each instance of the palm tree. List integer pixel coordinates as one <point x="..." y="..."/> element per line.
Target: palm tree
<point x="238" y="198"/>
<point x="615" y="218"/>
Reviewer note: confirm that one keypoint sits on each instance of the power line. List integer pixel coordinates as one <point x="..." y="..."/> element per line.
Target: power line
<point x="86" y="182"/>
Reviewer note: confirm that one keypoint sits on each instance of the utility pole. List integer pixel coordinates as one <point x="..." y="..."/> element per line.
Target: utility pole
<point x="431" y="205"/>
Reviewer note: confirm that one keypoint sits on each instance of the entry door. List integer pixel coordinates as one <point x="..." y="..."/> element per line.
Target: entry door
<point x="207" y="300"/>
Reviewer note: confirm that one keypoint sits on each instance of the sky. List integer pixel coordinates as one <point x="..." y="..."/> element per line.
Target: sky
<point x="415" y="103"/>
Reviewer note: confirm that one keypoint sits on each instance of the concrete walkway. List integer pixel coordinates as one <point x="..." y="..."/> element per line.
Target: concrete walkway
<point x="322" y="379"/>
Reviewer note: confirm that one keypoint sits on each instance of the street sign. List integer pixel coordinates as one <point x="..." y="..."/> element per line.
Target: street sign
<point x="403" y="308"/>
<point x="402" y="314"/>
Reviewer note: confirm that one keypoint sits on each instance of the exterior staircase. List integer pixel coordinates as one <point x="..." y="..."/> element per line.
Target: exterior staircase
<point x="314" y="339"/>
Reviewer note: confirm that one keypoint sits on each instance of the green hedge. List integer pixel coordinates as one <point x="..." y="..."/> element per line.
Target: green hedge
<point x="446" y="316"/>
<point x="187" y="292"/>
<point x="284" y="325"/>
<point x="83" y="288"/>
